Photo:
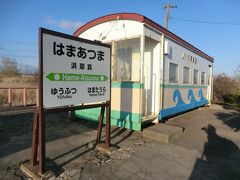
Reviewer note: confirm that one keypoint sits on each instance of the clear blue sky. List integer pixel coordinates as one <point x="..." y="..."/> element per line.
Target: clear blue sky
<point x="219" y="37"/>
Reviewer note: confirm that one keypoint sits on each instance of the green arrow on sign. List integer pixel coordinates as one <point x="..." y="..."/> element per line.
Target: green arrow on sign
<point x="76" y="77"/>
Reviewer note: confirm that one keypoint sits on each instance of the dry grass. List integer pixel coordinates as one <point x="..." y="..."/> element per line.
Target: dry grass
<point x="18" y="81"/>
<point x="17" y="94"/>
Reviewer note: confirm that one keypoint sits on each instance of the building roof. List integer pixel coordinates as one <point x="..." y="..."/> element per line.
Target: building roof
<point x="143" y="19"/>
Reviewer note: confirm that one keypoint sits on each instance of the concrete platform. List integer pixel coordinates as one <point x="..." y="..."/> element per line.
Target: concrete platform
<point x="162" y="133"/>
<point x="25" y="167"/>
<point x="50" y="172"/>
<point x="103" y="148"/>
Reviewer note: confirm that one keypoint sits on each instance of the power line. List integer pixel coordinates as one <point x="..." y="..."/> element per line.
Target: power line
<point x="205" y="22"/>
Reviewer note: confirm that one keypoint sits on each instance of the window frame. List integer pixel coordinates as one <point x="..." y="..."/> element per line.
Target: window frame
<point x="204" y="82"/>
<point x="196" y="76"/>
<point x="177" y="73"/>
<point x="114" y="77"/>
<point x="189" y="76"/>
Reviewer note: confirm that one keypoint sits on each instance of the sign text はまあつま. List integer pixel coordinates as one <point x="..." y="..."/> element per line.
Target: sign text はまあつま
<point x="74" y="70"/>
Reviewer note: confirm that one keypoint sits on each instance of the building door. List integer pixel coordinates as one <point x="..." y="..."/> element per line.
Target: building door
<point x="151" y="77"/>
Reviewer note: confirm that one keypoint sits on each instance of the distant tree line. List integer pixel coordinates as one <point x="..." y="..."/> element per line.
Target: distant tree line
<point x="10" y="68"/>
<point x="226" y="89"/>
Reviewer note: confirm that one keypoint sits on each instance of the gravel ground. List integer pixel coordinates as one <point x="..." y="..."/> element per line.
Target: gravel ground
<point x="208" y="148"/>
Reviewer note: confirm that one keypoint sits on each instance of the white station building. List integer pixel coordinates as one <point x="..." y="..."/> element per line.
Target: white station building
<point x="155" y="73"/>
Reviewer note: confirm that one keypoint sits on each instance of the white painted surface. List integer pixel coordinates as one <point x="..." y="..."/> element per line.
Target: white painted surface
<point x="154" y="64"/>
<point x="150" y="33"/>
<point x="151" y="73"/>
<point x="175" y="56"/>
<point x="62" y="64"/>
<point x="113" y="30"/>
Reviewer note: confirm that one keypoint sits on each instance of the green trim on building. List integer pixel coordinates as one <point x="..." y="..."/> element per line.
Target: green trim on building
<point x="131" y="85"/>
<point x="126" y="124"/>
<point x="118" y="118"/>
<point x="128" y="116"/>
<point x="182" y="86"/>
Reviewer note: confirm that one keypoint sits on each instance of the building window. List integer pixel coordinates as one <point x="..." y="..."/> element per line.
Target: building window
<point x="203" y="78"/>
<point x="126" y="61"/>
<point x="186" y="75"/>
<point x="173" y="73"/>
<point x="124" y="64"/>
<point x="195" y="76"/>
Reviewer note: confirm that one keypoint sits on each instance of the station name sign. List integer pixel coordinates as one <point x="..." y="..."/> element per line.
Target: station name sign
<point x="189" y="58"/>
<point x="74" y="70"/>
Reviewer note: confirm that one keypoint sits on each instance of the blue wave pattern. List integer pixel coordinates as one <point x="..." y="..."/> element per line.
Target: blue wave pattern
<point x="177" y="98"/>
<point x="191" y="97"/>
<point x="181" y="106"/>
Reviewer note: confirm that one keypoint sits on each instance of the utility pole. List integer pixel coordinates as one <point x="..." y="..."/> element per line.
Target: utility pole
<point x="167" y="7"/>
